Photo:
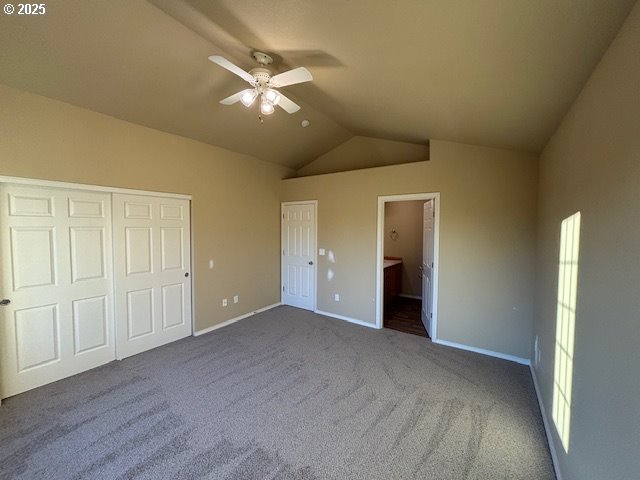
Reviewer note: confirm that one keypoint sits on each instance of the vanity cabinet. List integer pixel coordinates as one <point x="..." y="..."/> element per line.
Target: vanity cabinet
<point x="392" y="278"/>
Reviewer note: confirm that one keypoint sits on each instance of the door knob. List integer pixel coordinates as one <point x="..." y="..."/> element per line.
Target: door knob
<point x="310" y="263"/>
<point x="5" y="301"/>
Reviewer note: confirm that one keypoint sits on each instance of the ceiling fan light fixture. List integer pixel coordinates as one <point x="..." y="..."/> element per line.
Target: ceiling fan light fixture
<point x="273" y="97"/>
<point x="248" y="97"/>
<point x="266" y="108"/>
<point x="264" y="85"/>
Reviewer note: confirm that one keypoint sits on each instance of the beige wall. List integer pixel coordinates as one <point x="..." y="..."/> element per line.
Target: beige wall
<point x="592" y="165"/>
<point x="406" y="219"/>
<point x="488" y="199"/>
<point x="365" y="152"/>
<point x="235" y="206"/>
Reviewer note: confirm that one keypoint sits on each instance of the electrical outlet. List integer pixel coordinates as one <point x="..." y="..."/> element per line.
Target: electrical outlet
<point x="336" y="297"/>
<point x="224" y="302"/>
<point x="235" y="299"/>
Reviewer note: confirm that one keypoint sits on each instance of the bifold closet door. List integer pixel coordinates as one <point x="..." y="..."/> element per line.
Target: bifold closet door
<point x="56" y="317"/>
<point x="152" y="257"/>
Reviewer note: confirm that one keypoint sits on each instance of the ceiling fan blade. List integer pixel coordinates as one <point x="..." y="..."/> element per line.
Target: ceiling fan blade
<point x="230" y="100"/>
<point x="287" y="105"/>
<point x="224" y="63"/>
<point x="297" y="75"/>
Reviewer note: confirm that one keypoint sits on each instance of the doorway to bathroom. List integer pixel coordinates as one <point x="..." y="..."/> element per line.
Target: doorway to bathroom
<point x="407" y="263"/>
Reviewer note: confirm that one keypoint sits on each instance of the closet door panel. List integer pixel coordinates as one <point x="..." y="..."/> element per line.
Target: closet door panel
<point x="55" y="248"/>
<point x="152" y="261"/>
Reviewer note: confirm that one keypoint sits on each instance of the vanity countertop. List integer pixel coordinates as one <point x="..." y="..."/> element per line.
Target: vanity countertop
<point x="391" y="263"/>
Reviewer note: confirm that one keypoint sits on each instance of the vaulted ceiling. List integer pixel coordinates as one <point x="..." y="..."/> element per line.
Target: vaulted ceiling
<point x="489" y="72"/>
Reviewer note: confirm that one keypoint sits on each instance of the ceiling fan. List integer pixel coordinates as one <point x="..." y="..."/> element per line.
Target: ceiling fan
<point x="264" y="85"/>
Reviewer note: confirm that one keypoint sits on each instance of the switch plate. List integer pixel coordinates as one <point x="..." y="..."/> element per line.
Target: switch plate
<point x="224" y="302"/>
<point x="321" y="252"/>
<point x="336" y="297"/>
<point x="210" y="264"/>
<point x="235" y="299"/>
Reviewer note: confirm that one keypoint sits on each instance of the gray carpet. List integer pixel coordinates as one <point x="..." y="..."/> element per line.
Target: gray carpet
<point x="285" y="394"/>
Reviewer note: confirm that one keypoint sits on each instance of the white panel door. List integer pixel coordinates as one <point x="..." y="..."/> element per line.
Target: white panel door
<point x="152" y="258"/>
<point x="298" y="255"/>
<point x="55" y="251"/>
<point x="427" y="266"/>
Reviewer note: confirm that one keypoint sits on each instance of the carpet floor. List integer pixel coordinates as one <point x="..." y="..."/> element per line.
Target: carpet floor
<point x="285" y="394"/>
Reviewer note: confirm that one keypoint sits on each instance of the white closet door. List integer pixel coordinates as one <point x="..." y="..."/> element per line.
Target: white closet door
<point x="55" y="251"/>
<point x="152" y="258"/>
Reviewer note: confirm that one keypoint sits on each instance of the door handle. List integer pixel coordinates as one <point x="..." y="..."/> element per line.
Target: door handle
<point x="310" y="262"/>
<point x="5" y="301"/>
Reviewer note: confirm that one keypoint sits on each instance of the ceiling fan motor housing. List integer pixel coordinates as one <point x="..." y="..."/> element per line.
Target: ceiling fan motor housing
<point x="262" y="75"/>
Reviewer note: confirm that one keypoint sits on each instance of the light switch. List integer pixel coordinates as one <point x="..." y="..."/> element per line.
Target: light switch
<point x="321" y="252"/>
<point x="210" y="264"/>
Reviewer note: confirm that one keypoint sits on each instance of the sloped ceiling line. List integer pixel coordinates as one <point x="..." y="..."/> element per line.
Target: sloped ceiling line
<point x="498" y="74"/>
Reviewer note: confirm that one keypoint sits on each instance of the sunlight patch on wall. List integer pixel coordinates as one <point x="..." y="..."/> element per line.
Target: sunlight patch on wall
<point x="565" y="325"/>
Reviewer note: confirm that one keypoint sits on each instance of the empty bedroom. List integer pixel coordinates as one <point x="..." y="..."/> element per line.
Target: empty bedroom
<point x="350" y="239"/>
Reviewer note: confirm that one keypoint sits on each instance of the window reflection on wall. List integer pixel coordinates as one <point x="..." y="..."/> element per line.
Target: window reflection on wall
<point x="565" y="325"/>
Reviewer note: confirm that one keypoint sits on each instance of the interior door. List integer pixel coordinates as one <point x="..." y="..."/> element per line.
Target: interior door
<point x="55" y="251"/>
<point x="428" y="216"/>
<point x="152" y="258"/>
<point x="298" y="255"/>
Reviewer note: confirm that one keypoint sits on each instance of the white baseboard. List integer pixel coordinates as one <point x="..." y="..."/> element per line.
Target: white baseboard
<point x="504" y="356"/>
<point x="406" y="295"/>
<point x="234" y="320"/>
<point x="547" y="425"/>
<point x="346" y="319"/>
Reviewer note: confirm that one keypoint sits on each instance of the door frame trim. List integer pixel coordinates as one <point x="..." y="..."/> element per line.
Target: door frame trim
<point x="315" y="253"/>
<point x="382" y="200"/>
